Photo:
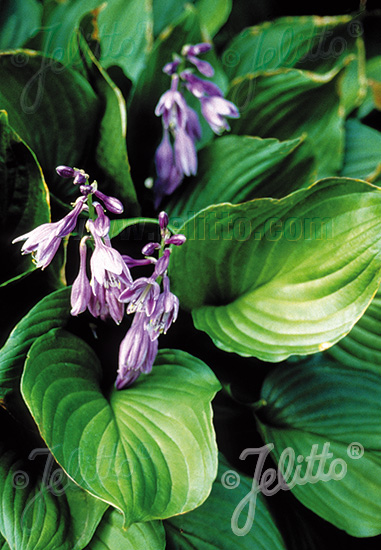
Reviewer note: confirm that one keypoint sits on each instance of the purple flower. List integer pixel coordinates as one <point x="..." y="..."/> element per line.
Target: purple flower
<point x="171" y="67"/>
<point x="177" y="240"/>
<point x="80" y="176"/>
<point x="172" y="106"/>
<point x="112" y="204"/>
<point x="44" y="241"/>
<point x="196" y="49"/>
<point x="164" y="158"/>
<point x="141" y="295"/>
<point x="185" y="153"/>
<point x="137" y="352"/>
<point x="215" y="109"/>
<point x="192" y="125"/>
<point x="81" y="290"/>
<point x="165" y="312"/>
<point x="102" y="223"/>
<point x="200" y="87"/>
<point x="203" y="67"/>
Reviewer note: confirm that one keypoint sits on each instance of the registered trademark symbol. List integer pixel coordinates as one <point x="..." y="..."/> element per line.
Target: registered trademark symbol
<point x="355" y="450"/>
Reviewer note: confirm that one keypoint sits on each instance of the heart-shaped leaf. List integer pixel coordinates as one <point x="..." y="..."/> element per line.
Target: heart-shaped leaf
<point x="52" y="108"/>
<point x="110" y="534"/>
<point x="227" y="519"/>
<point x="332" y="415"/>
<point x="285" y="103"/>
<point x="149" y="451"/>
<point x="24" y="199"/>
<point x="239" y="168"/>
<point x="271" y="278"/>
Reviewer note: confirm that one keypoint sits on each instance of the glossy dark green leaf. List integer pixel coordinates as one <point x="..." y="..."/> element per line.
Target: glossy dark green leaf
<point x="19" y="20"/>
<point x="149" y="450"/>
<point x="361" y="348"/>
<point x="110" y="150"/>
<point x="285" y="103"/>
<point x="332" y="415"/>
<point x="24" y="199"/>
<point x="272" y="278"/>
<point x="224" y="520"/>
<point x="309" y="43"/>
<point x="124" y="28"/>
<point x="239" y="168"/>
<point x="372" y="99"/>
<point x="362" y="158"/>
<point x="52" y="108"/>
<point x="51" y="312"/>
<point x="110" y="534"/>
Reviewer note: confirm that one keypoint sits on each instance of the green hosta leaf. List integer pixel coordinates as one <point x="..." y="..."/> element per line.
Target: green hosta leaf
<point x="309" y="43"/>
<point x="362" y="158"/>
<point x="373" y="95"/>
<point x="119" y="225"/>
<point x="3" y="544"/>
<point x="271" y="278"/>
<point x="51" y="312"/>
<point x="110" y="534"/>
<point x="19" y="20"/>
<point x="24" y="199"/>
<point x="239" y="168"/>
<point x="110" y="149"/>
<point x="287" y="102"/>
<point x="42" y="509"/>
<point x="361" y="348"/>
<point x="220" y="522"/>
<point x="314" y="407"/>
<point x="149" y="451"/>
<point x="124" y="30"/>
<point x="213" y="14"/>
<point x="52" y="108"/>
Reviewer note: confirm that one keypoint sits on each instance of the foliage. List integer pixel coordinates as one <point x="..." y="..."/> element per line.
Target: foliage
<point x="259" y="425"/>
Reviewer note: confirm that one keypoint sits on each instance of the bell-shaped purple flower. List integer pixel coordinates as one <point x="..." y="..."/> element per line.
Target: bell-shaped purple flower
<point x="102" y="223"/>
<point x="215" y="109"/>
<point x="81" y="290"/>
<point x="200" y="87"/>
<point x="164" y="158"/>
<point x="172" y="106"/>
<point x="137" y="352"/>
<point x="185" y="153"/>
<point x="193" y="126"/>
<point x="165" y="312"/>
<point x="44" y="241"/>
<point x="203" y="67"/>
<point x="141" y="295"/>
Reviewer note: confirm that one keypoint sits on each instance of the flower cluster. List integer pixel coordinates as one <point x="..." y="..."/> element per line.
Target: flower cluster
<point x="176" y="155"/>
<point x="111" y="285"/>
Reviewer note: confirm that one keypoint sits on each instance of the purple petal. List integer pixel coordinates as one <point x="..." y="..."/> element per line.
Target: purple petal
<point x="185" y="153"/>
<point x="112" y="204"/>
<point x="196" y="49"/>
<point x="203" y="67"/>
<point x="81" y="290"/>
<point x="164" y="157"/>
<point x="65" y="171"/>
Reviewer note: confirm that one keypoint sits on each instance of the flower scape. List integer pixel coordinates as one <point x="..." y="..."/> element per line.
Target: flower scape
<point x="190" y="346"/>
